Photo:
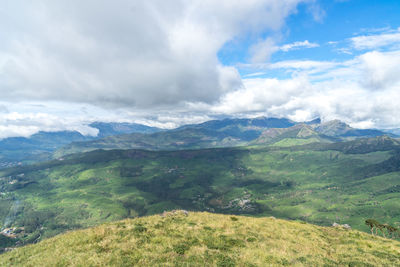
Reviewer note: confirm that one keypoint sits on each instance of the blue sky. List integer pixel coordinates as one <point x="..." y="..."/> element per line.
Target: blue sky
<point x="67" y="63"/>
<point x="337" y="21"/>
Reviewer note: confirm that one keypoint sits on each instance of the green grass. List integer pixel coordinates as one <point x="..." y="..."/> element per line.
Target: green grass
<point x="288" y="142"/>
<point x="205" y="239"/>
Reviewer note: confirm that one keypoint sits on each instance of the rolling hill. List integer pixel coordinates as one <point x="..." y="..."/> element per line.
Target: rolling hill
<point x="205" y="239"/>
<point x="321" y="183"/>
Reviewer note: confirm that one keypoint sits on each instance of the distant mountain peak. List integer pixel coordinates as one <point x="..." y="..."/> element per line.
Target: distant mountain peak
<point x="314" y="121"/>
<point x="333" y="128"/>
<point x="116" y="128"/>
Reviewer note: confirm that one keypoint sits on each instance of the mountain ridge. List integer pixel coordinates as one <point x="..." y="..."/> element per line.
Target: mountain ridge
<point x="224" y="133"/>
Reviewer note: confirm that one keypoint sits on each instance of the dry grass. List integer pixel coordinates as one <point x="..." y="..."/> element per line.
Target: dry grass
<point x="205" y="239"/>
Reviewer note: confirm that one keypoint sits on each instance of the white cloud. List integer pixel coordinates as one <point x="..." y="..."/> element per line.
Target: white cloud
<point x="64" y="64"/>
<point x="381" y="70"/>
<point x="302" y="65"/>
<point x="362" y="91"/>
<point x="298" y="45"/>
<point x="140" y="54"/>
<point x="262" y="51"/>
<point x="26" y="124"/>
<point x="376" y="41"/>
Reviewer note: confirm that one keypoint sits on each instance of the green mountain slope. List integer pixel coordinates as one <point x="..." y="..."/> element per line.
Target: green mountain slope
<point x="227" y="133"/>
<point x="310" y="182"/>
<point x="215" y="133"/>
<point x="187" y="138"/>
<point x="205" y="239"/>
<point x="299" y="134"/>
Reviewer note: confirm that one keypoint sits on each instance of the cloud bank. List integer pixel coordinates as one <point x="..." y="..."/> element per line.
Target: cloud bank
<point x="126" y="53"/>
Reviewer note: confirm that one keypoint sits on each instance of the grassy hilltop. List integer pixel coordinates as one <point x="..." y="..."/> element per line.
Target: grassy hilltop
<point x="205" y="239"/>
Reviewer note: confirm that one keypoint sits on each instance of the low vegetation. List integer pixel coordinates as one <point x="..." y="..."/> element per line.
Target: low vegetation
<point x="391" y="231"/>
<point x="205" y="239"/>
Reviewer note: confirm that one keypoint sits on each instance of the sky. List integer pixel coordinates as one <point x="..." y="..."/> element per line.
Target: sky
<point x="66" y="63"/>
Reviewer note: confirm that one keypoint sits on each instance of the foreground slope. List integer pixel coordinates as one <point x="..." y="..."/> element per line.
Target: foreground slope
<point x="205" y="239"/>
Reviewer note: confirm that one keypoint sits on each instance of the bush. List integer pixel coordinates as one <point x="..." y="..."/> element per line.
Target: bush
<point x="251" y="239"/>
<point x="225" y="261"/>
<point x="181" y="248"/>
<point x="139" y="228"/>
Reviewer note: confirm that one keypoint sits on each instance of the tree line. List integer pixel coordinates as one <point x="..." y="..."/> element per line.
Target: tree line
<point x="391" y="231"/>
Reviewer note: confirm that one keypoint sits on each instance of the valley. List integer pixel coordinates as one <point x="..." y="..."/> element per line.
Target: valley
<point x="320" y="183"/>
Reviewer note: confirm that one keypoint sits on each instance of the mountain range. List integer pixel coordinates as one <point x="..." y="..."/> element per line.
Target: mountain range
<point x="227" y="133"/>
<point x="216" y="133"/>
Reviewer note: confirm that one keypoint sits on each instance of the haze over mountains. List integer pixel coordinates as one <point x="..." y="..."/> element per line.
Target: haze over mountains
<point x="39" y="146"/>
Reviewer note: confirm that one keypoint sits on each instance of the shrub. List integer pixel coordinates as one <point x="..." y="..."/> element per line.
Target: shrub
<point x="234" y="219"/>
<point x="251" y="239"/>
<point x="181" y="248"/>
<point x="139" y="228"/>
<point x="225" y="261"/>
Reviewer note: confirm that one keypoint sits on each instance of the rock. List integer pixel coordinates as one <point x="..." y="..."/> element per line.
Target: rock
<point x="174" y="213"/>
<point x="345" y="226"/>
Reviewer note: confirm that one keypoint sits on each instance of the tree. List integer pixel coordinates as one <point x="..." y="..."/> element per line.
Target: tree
<point x="382" y="227"/>
<point x="372" y="223"/>
<point x="392" y="230"/>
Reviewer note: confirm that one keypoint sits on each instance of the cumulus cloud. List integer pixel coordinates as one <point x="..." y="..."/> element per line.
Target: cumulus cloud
<point x="381" y="70"/>
<point x="126" y="53"/>
<point x="362" y="91"/>
<point x="64" y="64"/>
